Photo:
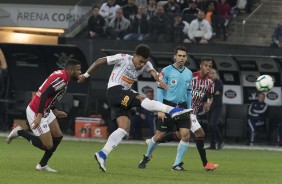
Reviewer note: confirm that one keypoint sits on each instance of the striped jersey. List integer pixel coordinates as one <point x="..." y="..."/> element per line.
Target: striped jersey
<point x="200" y="88"/>
<point x="179" y="83"/>
<point x="58" y="80"/>
<point x="124" y="72"/>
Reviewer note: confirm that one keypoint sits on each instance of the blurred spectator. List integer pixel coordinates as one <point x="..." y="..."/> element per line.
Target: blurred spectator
<point x="215" y="111"/>
<point x="200" y="30"/>
<point x="151" y="9"/>
<point x="190" y="13"/>
<point x="158" y="26"/>
<point x="130" y="10"/>
<point x="121" y="3"/>
<point x="96" y="24"/>
<point x="108" y="10"/>
<point x="257" y="115"/>
<point x="211" y="16"/>
<point x="182" y="4"/>
<point x="277" y="36"/>
<point x="171" y="8"/>
<point x="118" y="26"/>
<point x="139" y="26"/>
<point x="178" y="29"/>
<point x="249" y="6"/>
<point x="223" y="10"/>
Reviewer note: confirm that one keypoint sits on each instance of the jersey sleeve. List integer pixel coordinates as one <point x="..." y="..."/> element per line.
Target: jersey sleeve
<point x="114" y="59"/>
<point x="160" y="91"/>
<point x="148" y="67"/>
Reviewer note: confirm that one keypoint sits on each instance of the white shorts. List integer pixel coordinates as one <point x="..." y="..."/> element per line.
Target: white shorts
<point x="44" y="124"/>
<point x="195" y="125"/>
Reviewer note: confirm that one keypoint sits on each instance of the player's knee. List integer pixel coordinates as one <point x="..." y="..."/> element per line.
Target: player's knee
<point x="48" y="146"/>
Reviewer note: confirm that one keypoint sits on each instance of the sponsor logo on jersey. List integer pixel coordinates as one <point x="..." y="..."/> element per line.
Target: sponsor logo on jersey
<point x="198" y="93"/>
<point x="127" y="80"/>
<point x="125" y="100"/>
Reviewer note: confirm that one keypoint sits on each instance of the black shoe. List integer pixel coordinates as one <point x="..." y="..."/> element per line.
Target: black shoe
<point x="220" y="146"/>
<point x="210" y="148"/>
<point x="143" y="162"/>
<point x="178" y="167"/>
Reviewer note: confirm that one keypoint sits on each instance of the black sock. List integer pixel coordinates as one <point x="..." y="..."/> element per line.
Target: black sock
<point x="171" y="136"/>
<point x="34" y="140"/>
<point x="48" y="154"/>
<point x="201" y="149"/>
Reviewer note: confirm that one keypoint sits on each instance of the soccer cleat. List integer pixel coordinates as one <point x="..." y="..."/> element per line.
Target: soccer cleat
<point x="101" y="160"/>
<point x="178" y="167"/>
<point x="220" y="146"/>
<point x="210" y="166"/>
<point x="45" y="168"/>
<point x="178" y="113"/>
<point x="13" y="134"/>
<point x="147" y="143"/>
<point x="143" y="162"/>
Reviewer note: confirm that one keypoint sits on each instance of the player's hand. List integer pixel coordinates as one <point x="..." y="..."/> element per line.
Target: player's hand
<point x="81" y="78"/>
<point x="60" y="114"/>
<point x="207" y="106"/>
<point x="161" y="116"/>
<point x="36" y="121"/>
<point x="163" y="85"/>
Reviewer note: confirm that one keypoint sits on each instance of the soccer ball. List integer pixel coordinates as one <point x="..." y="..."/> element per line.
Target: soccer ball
<point x="264" y="83"/>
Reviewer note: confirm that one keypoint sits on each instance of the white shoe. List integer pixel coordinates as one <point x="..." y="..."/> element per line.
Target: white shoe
<point x="45" y="168"/>
<point x="101" y="161"/>
<point x="177" y="113"/>
<point x="13" y="134"/>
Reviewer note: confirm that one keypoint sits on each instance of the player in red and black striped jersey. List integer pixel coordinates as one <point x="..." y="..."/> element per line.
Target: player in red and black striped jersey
<point x="42" y="114"/>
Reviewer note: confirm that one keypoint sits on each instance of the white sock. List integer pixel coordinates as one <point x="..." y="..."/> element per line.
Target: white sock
<point x="114" y="140"/>
<point x="155" y="106"/>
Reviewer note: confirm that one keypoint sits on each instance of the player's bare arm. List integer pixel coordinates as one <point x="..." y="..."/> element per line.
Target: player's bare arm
<point x="59" y="114"/>
<point x="97" y="64"/>
<point x="158" y="78"/>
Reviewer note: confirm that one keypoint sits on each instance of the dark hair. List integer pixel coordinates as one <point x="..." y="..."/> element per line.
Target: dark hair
<point x="71" y="63"/>
<point x="206" y="59"/>
<point x="143" y="50"/>
<point x="95" y="6"/>
<point x="182" y="48"/>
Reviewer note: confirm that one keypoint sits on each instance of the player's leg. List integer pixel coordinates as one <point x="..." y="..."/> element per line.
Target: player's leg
<point x="200" y="137"/>
<point x="252" y="125"/>
<point x="113" y="141"/>
<point x="57" y="137"/>
<point x="181" y="149"/>
<point x="155" y="106"/>
<point x="151" y="147"/>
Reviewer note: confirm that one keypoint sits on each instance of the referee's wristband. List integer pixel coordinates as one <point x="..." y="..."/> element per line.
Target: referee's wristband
<point x="86" y="75"/>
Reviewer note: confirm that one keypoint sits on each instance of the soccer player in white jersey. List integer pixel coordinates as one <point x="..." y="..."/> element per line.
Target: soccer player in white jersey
<point x="122" y="98"/>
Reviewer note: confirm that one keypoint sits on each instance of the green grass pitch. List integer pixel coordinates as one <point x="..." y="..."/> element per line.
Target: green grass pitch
<point x="75" y="164"/>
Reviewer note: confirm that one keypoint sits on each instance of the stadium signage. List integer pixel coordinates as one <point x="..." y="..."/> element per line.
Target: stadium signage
<point x="225" y="65"/>
<point x="45" y="16"/>
<point x="230" y="94"/>
<point x="267" y="66"/>
<point x="251" y="78"/>
<point x="272" y="95"/>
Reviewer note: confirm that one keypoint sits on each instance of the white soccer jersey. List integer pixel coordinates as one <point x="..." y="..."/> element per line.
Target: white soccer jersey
<point x="124" y="72"/>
